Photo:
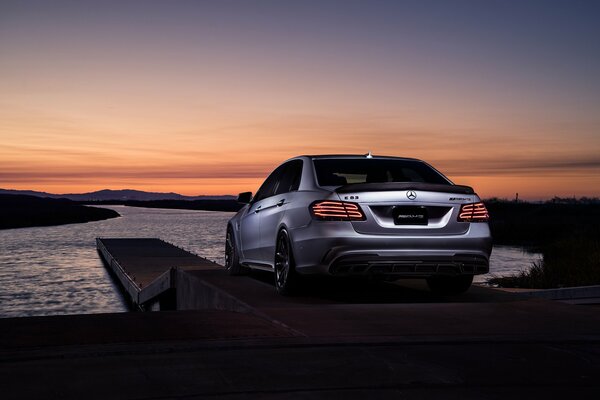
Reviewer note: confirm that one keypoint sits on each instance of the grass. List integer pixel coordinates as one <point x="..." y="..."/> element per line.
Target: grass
<point x="573" y="261"/>
<point x="568" y="236"/>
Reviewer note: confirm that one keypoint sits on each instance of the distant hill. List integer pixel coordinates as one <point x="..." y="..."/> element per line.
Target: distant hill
<point x="19" y="211"/>
<point x="121" y="195"/>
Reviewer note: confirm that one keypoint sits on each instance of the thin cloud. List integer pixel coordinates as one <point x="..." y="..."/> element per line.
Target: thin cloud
<point x="499" y="167"/>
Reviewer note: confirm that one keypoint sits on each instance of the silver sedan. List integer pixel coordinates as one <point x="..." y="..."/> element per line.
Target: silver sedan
<point x="360" y="215"/>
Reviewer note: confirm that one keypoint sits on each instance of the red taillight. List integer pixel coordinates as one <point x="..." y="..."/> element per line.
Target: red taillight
<point x="336" y="211"/>
<point x="473" y="212"/>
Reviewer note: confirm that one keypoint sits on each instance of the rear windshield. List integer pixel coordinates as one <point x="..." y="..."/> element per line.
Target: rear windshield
<point x="340" y="171"/>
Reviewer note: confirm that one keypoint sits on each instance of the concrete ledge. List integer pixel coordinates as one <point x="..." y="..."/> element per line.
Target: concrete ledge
<point x="572" y="295"/>
<point x="158" y="286"/>
<point x="196" y="294"/>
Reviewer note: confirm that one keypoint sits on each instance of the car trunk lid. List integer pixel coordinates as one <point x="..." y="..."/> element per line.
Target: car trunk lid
<point x="411" y="209"/>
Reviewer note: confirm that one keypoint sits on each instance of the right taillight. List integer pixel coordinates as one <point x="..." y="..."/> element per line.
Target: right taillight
<point x="329" y="210"/>
<point x="473" y="212"/>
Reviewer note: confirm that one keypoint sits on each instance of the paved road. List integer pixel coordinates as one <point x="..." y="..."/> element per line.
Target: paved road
<point x="340" y="340"/>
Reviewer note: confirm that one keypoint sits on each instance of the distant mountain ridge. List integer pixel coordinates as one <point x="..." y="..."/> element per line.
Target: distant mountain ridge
<point x="121" y="194"/>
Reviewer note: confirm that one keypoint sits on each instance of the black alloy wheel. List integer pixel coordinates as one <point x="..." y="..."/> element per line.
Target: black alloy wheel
<point x="285" y="273"/>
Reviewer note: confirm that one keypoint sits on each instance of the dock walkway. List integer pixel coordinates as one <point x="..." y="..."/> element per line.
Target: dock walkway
<point x="146" y="268"/>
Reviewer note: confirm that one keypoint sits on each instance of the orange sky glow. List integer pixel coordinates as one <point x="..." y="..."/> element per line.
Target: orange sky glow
<point x="164" y="103"/>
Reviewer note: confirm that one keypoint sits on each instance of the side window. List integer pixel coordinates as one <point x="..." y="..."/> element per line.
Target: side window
<point x="268" y="187"/>
<point x="290" y="177"/>
<point x="296" y="174"/>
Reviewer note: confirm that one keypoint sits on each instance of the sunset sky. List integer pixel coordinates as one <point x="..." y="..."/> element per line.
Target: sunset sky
<point x="202" y="97"/>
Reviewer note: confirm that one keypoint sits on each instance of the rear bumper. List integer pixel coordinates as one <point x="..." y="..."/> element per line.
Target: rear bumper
<point x="334" y="248"/>
<point x="417" y="266"/>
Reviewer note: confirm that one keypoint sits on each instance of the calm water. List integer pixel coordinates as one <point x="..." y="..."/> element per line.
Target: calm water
<point x="56" y="270"/>
<point x="509" y="260"/>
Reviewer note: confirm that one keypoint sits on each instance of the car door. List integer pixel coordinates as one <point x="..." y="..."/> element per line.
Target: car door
<point x="274" y="208"/>
<point x="250" y="222"/>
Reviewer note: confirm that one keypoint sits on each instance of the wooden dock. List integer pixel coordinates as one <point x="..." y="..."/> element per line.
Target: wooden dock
<point x="147" y="268"/>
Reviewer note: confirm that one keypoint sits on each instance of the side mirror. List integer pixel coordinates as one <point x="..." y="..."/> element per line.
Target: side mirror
<point x="244" y="197"/>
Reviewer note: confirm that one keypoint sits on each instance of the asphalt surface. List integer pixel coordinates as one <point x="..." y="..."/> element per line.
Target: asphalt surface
<point x="338" y="340"/>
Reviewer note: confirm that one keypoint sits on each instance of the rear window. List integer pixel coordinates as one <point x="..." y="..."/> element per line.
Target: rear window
<point x="338" y="172"/>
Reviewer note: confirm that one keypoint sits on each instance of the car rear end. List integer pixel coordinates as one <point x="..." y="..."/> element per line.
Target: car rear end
<point x="392" y="217"/>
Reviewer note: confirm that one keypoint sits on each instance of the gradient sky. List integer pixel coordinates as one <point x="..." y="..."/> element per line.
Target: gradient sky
<point x="205" y="97"/>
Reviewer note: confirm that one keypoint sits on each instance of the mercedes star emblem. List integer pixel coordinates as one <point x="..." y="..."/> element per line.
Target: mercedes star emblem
<point x="411" y="195"/>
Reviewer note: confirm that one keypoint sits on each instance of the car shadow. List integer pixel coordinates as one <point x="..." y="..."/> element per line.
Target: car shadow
<point x="364" y="290"/>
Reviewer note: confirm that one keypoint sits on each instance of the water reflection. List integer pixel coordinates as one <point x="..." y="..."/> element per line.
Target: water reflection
<point x="509" y="260"/>
<point x="56" y="270"/>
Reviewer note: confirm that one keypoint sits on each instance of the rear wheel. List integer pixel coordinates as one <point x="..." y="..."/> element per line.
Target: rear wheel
<point x="450" y="284"/>
<point x="232" y="259"/>
<point x="286" y="278"/>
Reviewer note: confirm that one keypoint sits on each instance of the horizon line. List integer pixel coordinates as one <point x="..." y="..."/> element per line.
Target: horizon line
<point x="502" y="198"/>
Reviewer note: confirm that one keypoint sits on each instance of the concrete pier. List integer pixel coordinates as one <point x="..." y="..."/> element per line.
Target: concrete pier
<point x="236" y="338"/>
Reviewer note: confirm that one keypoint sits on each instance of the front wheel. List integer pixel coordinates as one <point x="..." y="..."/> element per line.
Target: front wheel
<point x="286" y="279"/>
<point x="450" y="284"/>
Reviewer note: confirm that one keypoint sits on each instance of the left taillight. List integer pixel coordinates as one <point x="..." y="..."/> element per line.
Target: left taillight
<point x="328" y="210"/>
<point x="473" y="212"/>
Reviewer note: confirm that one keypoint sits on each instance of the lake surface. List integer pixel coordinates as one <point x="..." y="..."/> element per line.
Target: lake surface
<point x="56" y="270"/>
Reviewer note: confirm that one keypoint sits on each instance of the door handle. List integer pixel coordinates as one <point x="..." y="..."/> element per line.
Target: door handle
<point x="280" y="202"/>
<point x="257" y="209"/>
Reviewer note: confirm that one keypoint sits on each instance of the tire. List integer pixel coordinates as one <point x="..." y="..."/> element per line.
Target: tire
<point x="450" y="285"/>
<point x="286" y="278"/>
<point x="232" y="258"/>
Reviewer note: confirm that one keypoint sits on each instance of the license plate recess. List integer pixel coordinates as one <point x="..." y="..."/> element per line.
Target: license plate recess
<point x="410" y="215"/>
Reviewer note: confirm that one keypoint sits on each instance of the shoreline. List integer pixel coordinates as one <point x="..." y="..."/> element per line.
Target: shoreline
<point x="2" y="228"/>
<point x="21" y="211"/>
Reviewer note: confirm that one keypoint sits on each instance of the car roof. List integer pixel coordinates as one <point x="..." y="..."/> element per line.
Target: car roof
<point x="319" y="156"/>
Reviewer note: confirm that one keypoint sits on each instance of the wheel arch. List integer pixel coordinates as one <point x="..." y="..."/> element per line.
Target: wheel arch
<point x="236" y="238"/>
<point x="281" y="228"/>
